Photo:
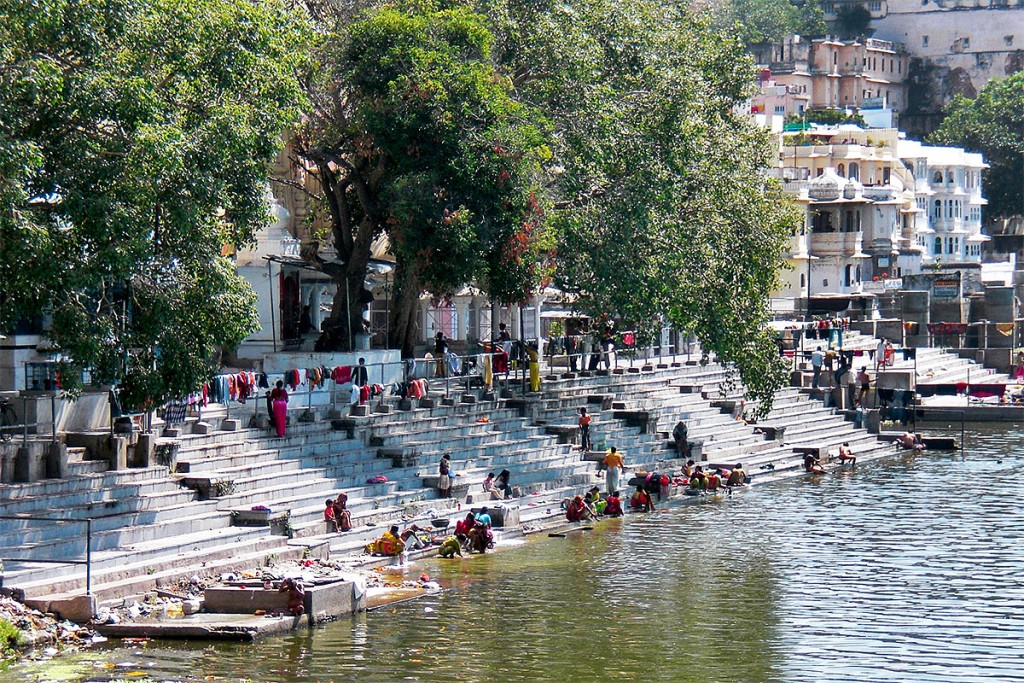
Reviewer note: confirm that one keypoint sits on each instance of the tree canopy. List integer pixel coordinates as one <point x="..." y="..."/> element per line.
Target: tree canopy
<point x="415" y="134"/>
<point x="661" y="202"/>
<point x="993" y="124"/>
<point x="762" y="21"/>
<point x="135" y="142"/>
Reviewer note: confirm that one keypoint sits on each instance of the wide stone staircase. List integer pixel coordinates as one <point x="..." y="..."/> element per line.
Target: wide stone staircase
<point x="929" y="366"/>
<point x="152" y="525"/>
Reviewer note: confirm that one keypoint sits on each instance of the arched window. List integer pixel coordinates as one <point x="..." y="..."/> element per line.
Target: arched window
<point x="937" y="178"/>
<point x="937" y="209"/>
<point x="938" y="246"/>
<point x="854" y="171"/>
<point x="841" y="170"/>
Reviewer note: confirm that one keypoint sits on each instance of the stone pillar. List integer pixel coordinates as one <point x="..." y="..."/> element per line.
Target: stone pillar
<point x="462" y="319"/>
<point x="427" y="333"/>
<point x="538" y="301"/>
<point x="26" y="467"/>
<point x="315" y="315"/>
<point x="115" y="452"/>
<point x="57" y="461"/>
<point x="145" y="448"/>
<point x="514" y="327"/>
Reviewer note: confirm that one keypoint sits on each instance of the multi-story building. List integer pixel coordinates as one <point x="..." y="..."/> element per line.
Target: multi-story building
<point x="826" y="73"/>
<point x="947" y="185"/>
<point x="876" y="207"/>
<point x="859" y="216"/>
<point x="958" y="46"/>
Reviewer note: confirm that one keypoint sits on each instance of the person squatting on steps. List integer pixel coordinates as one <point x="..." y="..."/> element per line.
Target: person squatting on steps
<point x="296" y="596"/>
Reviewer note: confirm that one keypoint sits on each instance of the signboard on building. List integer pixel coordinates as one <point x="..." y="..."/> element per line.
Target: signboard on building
<point x="873" y="103"/>
<point x="946" y="286"/>
<point x="892" y="283"/>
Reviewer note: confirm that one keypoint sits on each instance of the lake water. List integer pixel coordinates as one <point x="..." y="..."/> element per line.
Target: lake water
<point x="910" y="569"/>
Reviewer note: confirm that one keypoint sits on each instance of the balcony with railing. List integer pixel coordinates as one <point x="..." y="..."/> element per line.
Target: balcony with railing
<point x="875" y="44"/>
<point x="879" y="193"/>
<point x="836" y="243"/>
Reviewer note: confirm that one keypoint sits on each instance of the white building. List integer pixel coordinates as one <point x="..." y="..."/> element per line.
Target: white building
<point x="859" y="211"/>
<point x="947" y="185"/>
<point x="876" y="207"/>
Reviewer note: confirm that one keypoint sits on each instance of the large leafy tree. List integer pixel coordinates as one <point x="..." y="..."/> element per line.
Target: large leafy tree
<point x="660" y="192"/>
<point x="759" y="21"/>
<point x="135" y="142"/>
<point x="993" y="124"/>
<point x="472" y="139"/>
<point x="415" y="135"/>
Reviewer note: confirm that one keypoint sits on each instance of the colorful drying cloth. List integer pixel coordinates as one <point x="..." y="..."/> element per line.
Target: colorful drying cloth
<point x="986" y="390"/>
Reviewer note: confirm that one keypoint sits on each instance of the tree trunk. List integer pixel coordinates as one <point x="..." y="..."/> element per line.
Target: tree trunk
<point x="405" y="314"/>
<point x="346" y="319"/>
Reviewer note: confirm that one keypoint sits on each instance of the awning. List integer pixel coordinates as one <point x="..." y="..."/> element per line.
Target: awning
<point x="562" y="314"/>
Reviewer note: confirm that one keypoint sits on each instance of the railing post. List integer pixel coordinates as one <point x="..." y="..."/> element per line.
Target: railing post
<point x="88" y="556"/>
<point x="53" y="416"/>
<point x="962" y="431"/>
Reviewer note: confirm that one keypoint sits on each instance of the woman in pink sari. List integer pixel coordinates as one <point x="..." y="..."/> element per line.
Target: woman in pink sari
<point x="279" y="400"/>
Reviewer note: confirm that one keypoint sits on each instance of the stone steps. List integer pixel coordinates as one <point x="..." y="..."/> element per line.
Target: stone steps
<point x="119" y="537"/>
<point x="84" y="482"/>
<point x="117" y="501"/>
<point x="138" y="577"/>
<point x="172" y="533"/>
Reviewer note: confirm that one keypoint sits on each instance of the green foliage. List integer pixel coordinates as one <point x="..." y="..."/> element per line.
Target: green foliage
<point x="459" y="155"/>
<point x="830" y="117"/>
<point x="852" y="21"/>
<point x="136" y="140"/>
<point x="760" y="21"/>
<point x="415" y="134"/>
<point x="479" y="141"/>
<point x="661" y="201"/>
<point x="993" y="124"/>
<point x="812" y="19"/>
<point x="10" y="637"/>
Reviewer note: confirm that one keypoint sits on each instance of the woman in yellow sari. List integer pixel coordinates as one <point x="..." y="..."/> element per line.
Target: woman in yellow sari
<point x="534" y="356"/>
<point x="388" y="545"/>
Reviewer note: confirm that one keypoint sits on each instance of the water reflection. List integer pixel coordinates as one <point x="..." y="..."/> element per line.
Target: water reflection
<point x="903" y="570"/>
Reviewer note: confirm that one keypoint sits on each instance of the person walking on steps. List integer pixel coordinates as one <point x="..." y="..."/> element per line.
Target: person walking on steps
<point x="817" y="359"/>
<point x="444" y="482"/>
<point x="864" y="381"/>
<point x="279" y="399"/>
<point x="585" y="421"/>
<point x="614" y="463"/>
